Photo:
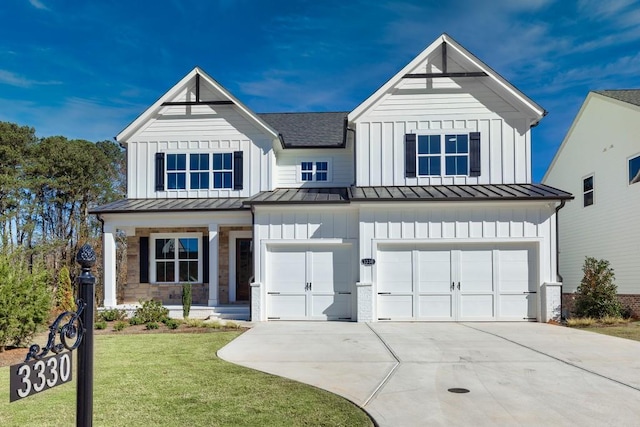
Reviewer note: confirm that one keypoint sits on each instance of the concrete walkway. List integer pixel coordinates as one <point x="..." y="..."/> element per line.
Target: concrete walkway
<point x="527" y="374"/>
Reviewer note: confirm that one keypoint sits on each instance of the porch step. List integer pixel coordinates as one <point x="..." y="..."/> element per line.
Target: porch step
<point x="228" y="312"/>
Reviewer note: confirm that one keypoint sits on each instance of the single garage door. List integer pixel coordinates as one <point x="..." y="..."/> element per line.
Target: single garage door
<point x="310" y="282"/>
<point x="459" y="283"/>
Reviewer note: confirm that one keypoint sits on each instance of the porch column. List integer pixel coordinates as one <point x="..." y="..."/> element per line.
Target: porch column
<point x="213" y="265"/>
<point x="109" y="255"/>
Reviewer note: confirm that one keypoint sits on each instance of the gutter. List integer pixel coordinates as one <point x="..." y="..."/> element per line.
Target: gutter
<point x="101" y="222"/>
<point x="559" y="277"/>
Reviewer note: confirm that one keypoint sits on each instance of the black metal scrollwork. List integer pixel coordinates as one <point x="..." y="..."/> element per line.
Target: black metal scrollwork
<point x="71" y="333"/>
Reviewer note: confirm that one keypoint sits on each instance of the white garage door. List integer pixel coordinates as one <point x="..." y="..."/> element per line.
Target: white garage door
<point x="456" y="283"/>
<point x="310" y="282"/>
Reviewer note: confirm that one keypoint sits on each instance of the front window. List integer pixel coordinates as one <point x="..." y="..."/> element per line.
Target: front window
<point x="443" y="152"/>
<point x="634" y="170"/>
<point x="222" y="170"/>
<point x="315" y="171"/>
<point x="195" y="172"/>
<point x="587" y="189"/>
<point x="177" y="259"/>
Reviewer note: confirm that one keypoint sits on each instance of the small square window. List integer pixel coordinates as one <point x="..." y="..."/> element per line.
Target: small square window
<point x="634" y="170"/>
<point x="314" y="171"/>
<point x="587" y="190"/>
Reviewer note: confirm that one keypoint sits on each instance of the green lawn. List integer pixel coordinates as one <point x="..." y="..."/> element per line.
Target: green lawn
<point x="630" y="331"/>
<point x="177" y="380"/>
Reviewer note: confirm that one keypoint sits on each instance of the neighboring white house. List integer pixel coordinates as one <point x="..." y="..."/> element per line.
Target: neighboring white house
<point x="599" y="162"/>
<point x="416" y="205"/>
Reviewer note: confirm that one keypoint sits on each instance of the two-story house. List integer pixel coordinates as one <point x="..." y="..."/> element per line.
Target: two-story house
<point x="416" y="205"/>
<point x="599" y="160"/>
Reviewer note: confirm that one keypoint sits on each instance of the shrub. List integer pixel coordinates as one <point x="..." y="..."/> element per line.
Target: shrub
<point x="120" y="325"/>
<point x="64" y="293"/>
<point x="100" y="324"/>
<point x="172" y="324"/>
<point x="152" y="325"/>
<point x="25" y="300"/>
<point x="597" y="294"/>
<point x="152" y="311"/>
<point x="581" y="322"/>
<point x="135" y="321"/>
<point x="186" y="299"/>
<point x="113" y="314"/>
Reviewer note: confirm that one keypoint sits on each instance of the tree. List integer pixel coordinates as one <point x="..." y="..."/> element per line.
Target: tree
<point x="64" y="292"/>
<point x="597" y="294"/>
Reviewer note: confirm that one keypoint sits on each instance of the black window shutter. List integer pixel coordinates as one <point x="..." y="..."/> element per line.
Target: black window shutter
<point x="474" y="154"/>
<point x="144" y="259"/>
<point x="205" y="259"/>
<point x="237" y="170"/>
<point x="159" y="171"/>
<point x="410" y="155"/>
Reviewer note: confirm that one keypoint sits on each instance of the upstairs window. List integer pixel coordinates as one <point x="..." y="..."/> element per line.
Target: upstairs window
<point x="199" y="171"/>
<point x="315" y="171"/>
<point x="222" y="170"/>
<point x="587" y="191"/>
<point x="442" y="155"/>
<point x="634" y="170"/>
<point x="176" y="171"/>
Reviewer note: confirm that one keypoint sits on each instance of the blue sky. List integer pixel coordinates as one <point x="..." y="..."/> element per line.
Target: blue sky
<point x="86" y="69"/>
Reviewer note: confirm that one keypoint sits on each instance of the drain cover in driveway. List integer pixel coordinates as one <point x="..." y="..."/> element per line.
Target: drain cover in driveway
<point x="458" y="390"/>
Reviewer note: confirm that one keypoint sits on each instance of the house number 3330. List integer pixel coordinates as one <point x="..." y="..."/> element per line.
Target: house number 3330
<point x="35" y="376"/>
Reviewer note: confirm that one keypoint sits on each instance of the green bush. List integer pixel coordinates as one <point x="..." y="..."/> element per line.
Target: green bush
<point x="172" y="323"/>
<point x="100" y="324"/>
<point x="186" y="299"/>
<point x="152" y="325"/>
<point x="25" y="300"/>
<point x="151" y="311"/>
<point x="135" y="321"/>
<point x="120" y="325"/>
<point x="597" y="294"/>
<point x="64" y="292"/>
<point x="113" y="314"/>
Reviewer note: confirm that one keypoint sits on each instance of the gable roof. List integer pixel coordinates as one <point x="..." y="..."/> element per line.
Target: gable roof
<point x="536" y="110"/>
<point x="630" y="96"/>
<point x="198" y="74"/>
<point x="309" y="130"/>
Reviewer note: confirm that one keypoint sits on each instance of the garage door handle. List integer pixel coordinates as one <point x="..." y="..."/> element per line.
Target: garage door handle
<point x="384" y="293"/>
<point x="458" y="285"/>
<point x="453" y="285"/>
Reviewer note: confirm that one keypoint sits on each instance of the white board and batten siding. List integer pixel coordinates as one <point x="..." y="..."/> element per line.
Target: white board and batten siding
<point x="500" y="232"/>
<point x="302" y="245"/>
<point x="288" y="164"/>
<point x="207" y="130"/>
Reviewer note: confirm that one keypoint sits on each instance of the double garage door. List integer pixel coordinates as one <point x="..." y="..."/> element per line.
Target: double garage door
<point x="419" y="282"/>
<point x="310" y="282"/>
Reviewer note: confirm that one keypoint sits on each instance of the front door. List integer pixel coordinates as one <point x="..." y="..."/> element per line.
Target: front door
<point x="244" y="268"/>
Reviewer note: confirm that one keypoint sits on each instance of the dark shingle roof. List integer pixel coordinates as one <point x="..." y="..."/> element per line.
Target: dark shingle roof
<point x="309" y="130"/>
<point x="630" y="96"/>
<point x="169" y="205"/>
<point x="458" y="193"/>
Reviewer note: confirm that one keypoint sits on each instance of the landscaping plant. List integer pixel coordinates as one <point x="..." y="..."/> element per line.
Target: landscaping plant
<point x="151" y="311"/>
<point x="113" y="314"/>
<point x="64" y="293"/>
<point x="186" y="299"/>
<point x="25" y="301"/>
<point x="597" y="294"/>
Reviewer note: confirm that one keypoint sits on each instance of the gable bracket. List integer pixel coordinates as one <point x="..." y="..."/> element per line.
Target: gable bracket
<point x="197" y="101"/>
<point x="436" y="75"/>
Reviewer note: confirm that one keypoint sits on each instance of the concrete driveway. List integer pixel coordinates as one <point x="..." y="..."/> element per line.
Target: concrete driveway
<point x="527" y="374"/>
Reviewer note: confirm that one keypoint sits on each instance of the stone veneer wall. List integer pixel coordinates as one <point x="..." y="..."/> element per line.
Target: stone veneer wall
<point x="631" y="301"/>
<point x="172" y="294"/>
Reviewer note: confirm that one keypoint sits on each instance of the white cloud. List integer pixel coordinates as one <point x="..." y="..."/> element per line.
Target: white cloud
<point x="38" y="4"/>
<point x="13" y="79"/>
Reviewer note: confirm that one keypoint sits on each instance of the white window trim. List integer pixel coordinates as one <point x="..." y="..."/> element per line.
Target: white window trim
<point x="313" y="171"/>
<point x="592" y="191"/>
<point x="188" y="171"/>
<point x="632" y="157"/>
<point x="443" y="164"/>
<point x="152" y="255"/>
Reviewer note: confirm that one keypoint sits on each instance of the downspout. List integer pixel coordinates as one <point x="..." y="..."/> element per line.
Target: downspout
<point x="348" y="129"/>
<point x="253" y="259"/>
<point x="101" y="222"/>
<point x="559" y="277"/>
